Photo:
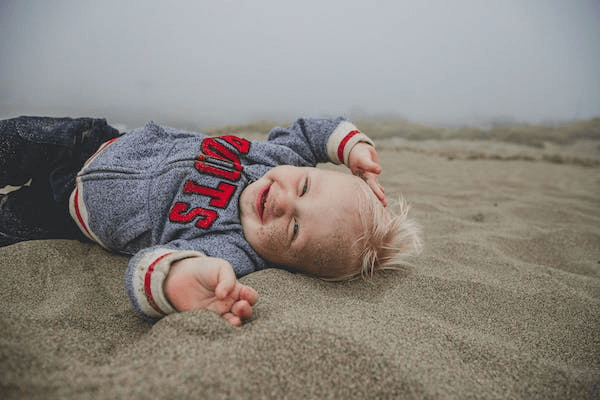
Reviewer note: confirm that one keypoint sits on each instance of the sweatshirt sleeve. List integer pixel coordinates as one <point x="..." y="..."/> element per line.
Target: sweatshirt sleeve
<point x="148" y="269"/>
<point x="145" y="277"/>
<point x="320" y="140"/>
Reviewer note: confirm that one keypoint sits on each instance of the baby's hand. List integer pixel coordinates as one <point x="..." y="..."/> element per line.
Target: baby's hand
<point x="206" y="283"/>
<point x="363" y="161"/>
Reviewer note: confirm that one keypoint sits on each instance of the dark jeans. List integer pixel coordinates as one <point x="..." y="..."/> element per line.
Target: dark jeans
<point x="49" y="152"/>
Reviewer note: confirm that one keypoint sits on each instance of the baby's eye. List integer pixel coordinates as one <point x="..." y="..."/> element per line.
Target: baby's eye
<point x="304" y="188"/>
<point x="295" y="231"/>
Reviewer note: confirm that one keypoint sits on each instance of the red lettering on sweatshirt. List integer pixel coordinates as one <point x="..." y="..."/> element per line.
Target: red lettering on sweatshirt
<point x="228" y="167"/>
<point x="212" y="148"/>
<point x="242" y="145"/>
<point x="219" y="197"/>
<point x="211" y="169"/>
<point x="181" y="212"/>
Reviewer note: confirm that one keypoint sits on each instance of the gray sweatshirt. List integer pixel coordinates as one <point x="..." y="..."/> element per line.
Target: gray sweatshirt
<point x="161" y="195"/>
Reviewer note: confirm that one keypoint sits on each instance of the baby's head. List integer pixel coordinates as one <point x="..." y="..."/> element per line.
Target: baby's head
<point x="323" y="223"/>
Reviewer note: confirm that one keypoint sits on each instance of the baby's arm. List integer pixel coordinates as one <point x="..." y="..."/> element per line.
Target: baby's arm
<point x="207" y="283"/>
<point x="165" y="280"/>
<point x="363" y="161"/>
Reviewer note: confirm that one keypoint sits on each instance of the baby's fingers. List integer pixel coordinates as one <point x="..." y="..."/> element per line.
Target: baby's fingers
<point x="377" y="188"/>
<point x="234" y="320"/>
<point x="233" y="313"/>
<point x="364" y="167"/>
<point x="367" y="166"/>
<point x="371" y="164"/>
<point x="242" y="309"/>
<point x="249" y="294"/>
<point x="226" y="282"/>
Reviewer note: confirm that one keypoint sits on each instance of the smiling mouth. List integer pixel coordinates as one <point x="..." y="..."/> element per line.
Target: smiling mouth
<point x="261" y="200"/>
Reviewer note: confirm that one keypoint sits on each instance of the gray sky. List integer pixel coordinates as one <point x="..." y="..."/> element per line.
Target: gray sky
<point x="234" y="61"/>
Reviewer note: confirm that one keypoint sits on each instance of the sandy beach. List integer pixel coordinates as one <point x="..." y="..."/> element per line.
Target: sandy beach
<point x="503" y="302"/>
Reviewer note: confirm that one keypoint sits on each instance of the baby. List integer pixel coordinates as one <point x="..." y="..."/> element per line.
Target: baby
<point x="197" y="212"/>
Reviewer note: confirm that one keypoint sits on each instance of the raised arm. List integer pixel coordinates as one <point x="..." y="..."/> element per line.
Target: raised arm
<point x="318" y="140"/>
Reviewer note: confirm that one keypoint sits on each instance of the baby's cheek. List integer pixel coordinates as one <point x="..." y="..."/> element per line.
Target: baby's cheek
<point x="270" y="241"/>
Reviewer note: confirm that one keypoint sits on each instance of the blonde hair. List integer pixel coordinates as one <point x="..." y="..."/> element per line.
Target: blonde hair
<point x="389" y="237"/>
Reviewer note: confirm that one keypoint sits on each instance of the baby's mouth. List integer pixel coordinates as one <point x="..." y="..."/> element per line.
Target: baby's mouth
<point x="261" y="200"/>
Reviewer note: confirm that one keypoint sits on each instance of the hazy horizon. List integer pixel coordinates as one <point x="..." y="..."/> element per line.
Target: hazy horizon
<point x="233" y="61"/>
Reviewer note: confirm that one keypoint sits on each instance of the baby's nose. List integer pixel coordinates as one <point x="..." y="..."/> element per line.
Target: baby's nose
<point x="283" y="204"/>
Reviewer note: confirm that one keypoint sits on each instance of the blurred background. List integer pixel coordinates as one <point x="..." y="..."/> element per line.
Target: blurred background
<point x="206" y="63"/>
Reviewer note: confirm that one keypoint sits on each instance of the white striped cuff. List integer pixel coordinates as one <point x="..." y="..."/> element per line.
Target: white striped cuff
<point x="149" y="276"/>
<point x="342" y="140"/>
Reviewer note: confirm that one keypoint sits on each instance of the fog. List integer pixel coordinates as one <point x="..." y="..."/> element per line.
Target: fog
<point x="216" y="62"/>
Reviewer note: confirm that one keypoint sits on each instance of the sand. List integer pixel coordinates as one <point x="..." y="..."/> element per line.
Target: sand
<point x="504" y="302"/>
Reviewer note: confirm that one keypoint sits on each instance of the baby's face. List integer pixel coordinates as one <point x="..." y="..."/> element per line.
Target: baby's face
<point x="303" y="218"/>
